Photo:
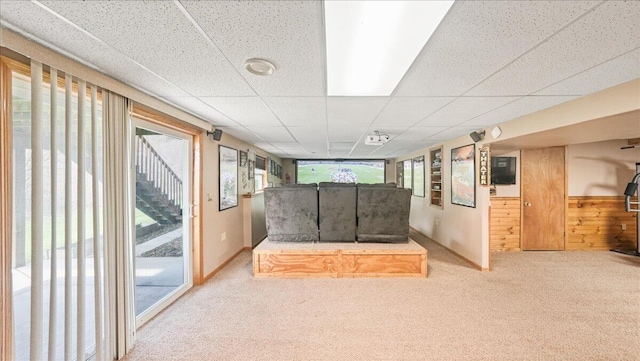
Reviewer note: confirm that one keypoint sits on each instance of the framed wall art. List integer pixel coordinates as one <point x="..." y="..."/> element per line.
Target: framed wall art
<point x="243" y="159"/>
<point x="463" y="176"/>
<point x="418" y="176"/>
<point x="228" y="177"/>
<point x="400" y="174"/>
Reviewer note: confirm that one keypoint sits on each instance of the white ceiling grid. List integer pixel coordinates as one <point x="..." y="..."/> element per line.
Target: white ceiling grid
<point x="488" y="62"/>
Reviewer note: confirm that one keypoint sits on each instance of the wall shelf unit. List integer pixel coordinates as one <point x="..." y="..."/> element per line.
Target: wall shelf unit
<point x="435" y="179"/>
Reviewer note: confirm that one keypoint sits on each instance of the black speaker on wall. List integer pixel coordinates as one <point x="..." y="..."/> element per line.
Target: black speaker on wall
<point x="216" y="134"/>
<point x="477" y="136"/>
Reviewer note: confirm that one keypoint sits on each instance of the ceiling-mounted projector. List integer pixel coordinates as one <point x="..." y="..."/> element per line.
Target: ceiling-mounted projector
<point x="376" y="138"/>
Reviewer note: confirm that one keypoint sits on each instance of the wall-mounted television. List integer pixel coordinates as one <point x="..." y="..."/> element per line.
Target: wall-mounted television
<point x="503" y="170"/>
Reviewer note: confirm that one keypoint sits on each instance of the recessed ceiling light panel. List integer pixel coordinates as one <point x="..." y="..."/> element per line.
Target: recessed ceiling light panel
<point x="371" y="44"/>
<point x="259" y="67"/>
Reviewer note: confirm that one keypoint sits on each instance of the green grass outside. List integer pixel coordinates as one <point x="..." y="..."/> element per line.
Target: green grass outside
<point x="140" y="217"/>
<point x="322" y="173"/>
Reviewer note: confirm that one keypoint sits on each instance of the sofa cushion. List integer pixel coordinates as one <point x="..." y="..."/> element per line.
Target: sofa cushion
<point x="383" y="214"/>
<point x="292" y="213"/>
<point x="337" y="202"/>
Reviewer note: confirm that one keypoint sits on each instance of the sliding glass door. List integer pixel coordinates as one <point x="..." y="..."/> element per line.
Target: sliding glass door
<point x="162" y="217"/>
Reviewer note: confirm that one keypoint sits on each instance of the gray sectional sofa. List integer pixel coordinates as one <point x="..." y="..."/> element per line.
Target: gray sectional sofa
<point x="338" y="212"/>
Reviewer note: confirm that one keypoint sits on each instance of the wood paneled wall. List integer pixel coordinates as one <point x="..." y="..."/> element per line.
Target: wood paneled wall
<point x="595" y="223"/>
<point x="505" y="224"/>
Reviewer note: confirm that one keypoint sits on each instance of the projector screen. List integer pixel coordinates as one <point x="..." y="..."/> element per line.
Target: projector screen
<point x="340" y="171"/>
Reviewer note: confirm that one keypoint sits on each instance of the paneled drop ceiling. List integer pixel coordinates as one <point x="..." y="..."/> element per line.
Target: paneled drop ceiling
<point x="488" y="62"/>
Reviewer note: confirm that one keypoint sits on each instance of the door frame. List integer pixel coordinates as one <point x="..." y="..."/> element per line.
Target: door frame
<point x="187" y="210"/>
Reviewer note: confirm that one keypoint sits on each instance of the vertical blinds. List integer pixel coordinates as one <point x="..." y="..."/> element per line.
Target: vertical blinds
<point x="79" y="161"/>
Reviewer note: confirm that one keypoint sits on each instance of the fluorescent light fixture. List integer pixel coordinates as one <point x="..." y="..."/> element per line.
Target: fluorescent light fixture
<point x="371" y="44"/>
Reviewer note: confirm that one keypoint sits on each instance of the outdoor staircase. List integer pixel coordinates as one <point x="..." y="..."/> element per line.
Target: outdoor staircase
<point x="158" y="188"/>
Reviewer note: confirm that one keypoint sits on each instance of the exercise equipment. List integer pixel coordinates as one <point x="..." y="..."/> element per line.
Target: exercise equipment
<point x="629" y="192"/>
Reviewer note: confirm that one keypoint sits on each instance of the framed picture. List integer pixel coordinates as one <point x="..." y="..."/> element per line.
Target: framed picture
<point x="407" y="176"/>
<point x="251" y="169"/>
<point x="243" y="159"/>
<point x="270" y="166"/>
<point x="279" y="172"/>
<point x="463" y="176"/>
<point x="228" y="177"/>
<point x="400" y="174"/>
<point x="418" y="176"/>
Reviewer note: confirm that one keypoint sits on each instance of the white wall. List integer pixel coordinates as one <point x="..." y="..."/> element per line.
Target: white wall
<point x="230" y="221"/>
<point x="460" y="228"/>
<point x="601" y="169"/>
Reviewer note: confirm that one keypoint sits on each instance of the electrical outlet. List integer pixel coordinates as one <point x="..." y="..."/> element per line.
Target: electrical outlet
<point x="209" y="197"/>
<point x="624" y="227"/>
<point x="437" y="221"/>
<point x="223" y="236"/>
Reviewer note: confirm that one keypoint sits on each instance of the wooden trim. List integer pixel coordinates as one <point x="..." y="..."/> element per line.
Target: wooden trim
<point x="6" y="208"/>
<point x="489" y="236"/>
<point x="17" y="66"/>
<point x="566" y="197"/>
<point x="521" y="202"/>
<point x="220" y="267"/>
<point x="198" y="244"/>
<point x="470" y="262"/>
<point x="140" y="111"/>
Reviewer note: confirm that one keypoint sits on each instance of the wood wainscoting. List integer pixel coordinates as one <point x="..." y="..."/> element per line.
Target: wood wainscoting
<point x="505" y="224"/>
<point x="595" y="223"/>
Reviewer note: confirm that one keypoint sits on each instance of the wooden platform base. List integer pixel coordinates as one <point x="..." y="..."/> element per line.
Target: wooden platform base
<point x="301" y="260"/>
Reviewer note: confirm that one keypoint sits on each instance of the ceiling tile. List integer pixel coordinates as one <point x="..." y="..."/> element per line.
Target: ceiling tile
<point x="287" y="146"/>
<point x="158" y="35"/>
<point x="478" y="38"/>
<point x="248" y="111"/>
<point x="523" y="106"/>
<point x="299" y="111"/>
<point x="407" y="111"/>
<point x="287" y="33"/>
<point x="308" y="133"/>
<point x="202" y="110"/>
<point x="463" y="109"/>
<point x="354" y="111"/>
<point x="613" y="72"/>
<point x="581" y="46"/>
<point x="342" y="145"/>
<point x="344" y="134"/>
<point x="418" y="133"/>
<point x="396" y="144"/>
<point x="273" y="134"/>
<point x="241" y="133"/>
<point x="33" y="21"/>
<point x="452" y="133"/>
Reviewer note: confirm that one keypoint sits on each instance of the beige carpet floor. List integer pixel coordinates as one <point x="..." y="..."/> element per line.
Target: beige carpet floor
<point x="532" y="306"/>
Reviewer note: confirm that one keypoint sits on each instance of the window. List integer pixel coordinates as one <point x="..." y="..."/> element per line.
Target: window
<point x="261" y="174"/>
<point x="341" y="171"/>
